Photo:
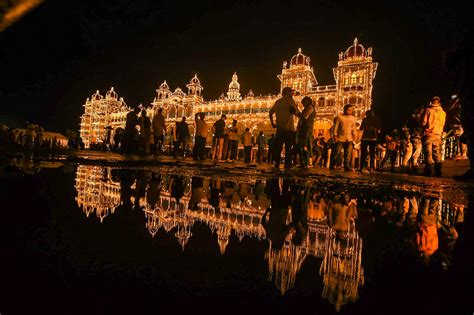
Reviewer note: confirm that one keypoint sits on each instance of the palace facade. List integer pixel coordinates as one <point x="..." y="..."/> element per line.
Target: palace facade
<point x="354" y="75"/>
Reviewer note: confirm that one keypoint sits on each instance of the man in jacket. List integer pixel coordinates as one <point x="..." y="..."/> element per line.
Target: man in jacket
<point x="433" y="121"/>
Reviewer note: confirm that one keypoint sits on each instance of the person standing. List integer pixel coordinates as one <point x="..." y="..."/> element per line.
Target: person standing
<point x="285" y="110"/>
<point x="433" y="121"/>
<point x="355" y="160"/>
<point x="406" y="148"/>
<point x="304" y="132"/>
<point x="248" y="144"/>
<point x="145" y="133"/>
<point x="392" y="146"/>
<point x="219" y="130"/>
<point x="454" y="125"/>
<point x="320" y="151"/>
<point x="271" y="149"/>
<point x="182" y="135"/>
<point x="201" y="136"/>
<point x="159" y="131"/>
<point x="370" y="127"/>
<point x="343" y="134"/>
<point x="130" y="131"/>
<point x="233" y="142"/>
<point x="261" y="143"/>
<point x="416" y="132"/>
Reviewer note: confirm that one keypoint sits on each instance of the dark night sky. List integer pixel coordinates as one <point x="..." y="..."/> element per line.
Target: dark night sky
<point x="59" y="54"/>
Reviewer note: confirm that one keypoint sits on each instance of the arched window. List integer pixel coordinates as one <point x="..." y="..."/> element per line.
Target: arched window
<point x="321" y="102"/>
<point x="346" y="78"/>
<point x="354" y="78"/>
<point x="172" y="112"/>
<point x="355" y="100"/>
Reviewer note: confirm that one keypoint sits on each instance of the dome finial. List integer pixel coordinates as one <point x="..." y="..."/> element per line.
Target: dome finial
<point x="355" y="41"/>
<point x="299" y="50"/>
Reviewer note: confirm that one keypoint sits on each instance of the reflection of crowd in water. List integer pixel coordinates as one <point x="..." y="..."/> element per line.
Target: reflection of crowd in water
<point x="297" y="217"/>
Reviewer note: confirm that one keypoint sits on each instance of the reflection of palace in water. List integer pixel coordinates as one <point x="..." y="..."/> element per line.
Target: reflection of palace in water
<point x="353" y="75"/>
<point x="176" y="203"/>
<point x="237" y="213"/>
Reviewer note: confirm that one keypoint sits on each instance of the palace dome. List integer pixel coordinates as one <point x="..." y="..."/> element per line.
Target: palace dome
<point x="179" y="92"/>
<point x="164" y="86"/>
<point x="299" y="59"/>
<point x="355" y="51"/>
<point x="195" y="80"/>
<point x="96" y="96"/>
<point x="111" y="94"/>
<point x="234" y="85"/>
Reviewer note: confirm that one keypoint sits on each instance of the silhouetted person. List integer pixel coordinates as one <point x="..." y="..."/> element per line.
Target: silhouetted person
<point x="154" y="189"/>
<point x="201" y="136"/>
<point x="304" y="131"/>
<point x="248" y="144"/>
<point x="275" y="225"/>
<point x="233" y="145"/>
<point x="177" y="187"/>
<point x="130" y="132"/>
<point x="182" y="134"/>
<point x="271" y="149"/>
<point x="218" y="142"/>
<point x="285" y="109"/>
<point x="145" y="133"/>
<point x="261" y="144"/>
<point x="159" y="131"/>
<point x="299" y="212"/>
<point x="370" y="127"/>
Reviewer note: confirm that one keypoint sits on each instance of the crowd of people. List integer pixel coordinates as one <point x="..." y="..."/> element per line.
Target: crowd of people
<point x="33" y="137"/>
<point x="350" y="144"/>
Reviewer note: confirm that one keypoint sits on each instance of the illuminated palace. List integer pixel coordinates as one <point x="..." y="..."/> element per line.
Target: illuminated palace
<point x="354" y="75"/>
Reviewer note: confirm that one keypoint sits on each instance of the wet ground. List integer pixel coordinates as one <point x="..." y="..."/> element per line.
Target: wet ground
<point x="115" y="235"/>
